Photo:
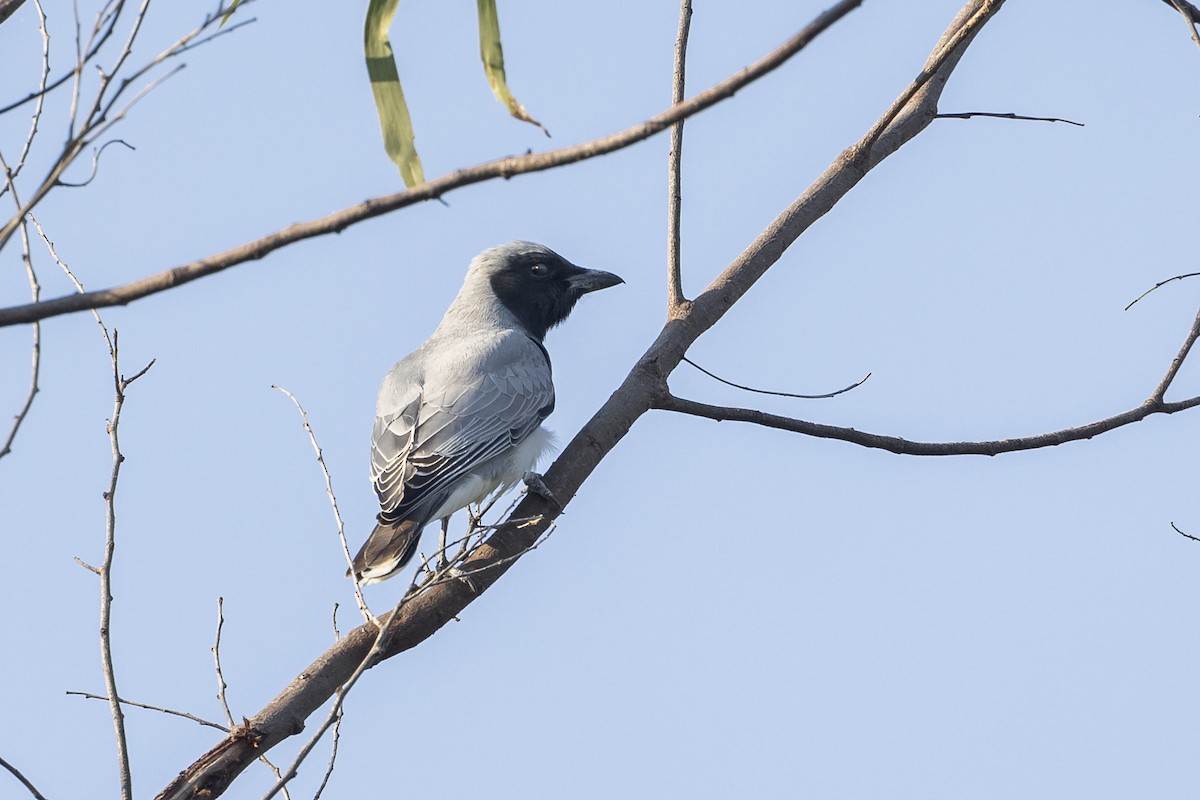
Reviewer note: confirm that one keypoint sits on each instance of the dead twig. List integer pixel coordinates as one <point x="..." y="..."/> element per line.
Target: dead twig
<point x="1157" y="285"/>
<point x="1009" y="115"/>
<point x="675" y="298"/>
<point x="185" y="715"/>
<point x="337" y="515"/>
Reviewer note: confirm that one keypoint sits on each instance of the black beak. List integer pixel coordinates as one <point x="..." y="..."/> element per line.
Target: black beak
<point x="591" y="280"/>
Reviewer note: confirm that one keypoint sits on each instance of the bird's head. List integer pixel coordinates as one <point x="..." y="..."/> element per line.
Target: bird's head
<point x="535" y="284"/>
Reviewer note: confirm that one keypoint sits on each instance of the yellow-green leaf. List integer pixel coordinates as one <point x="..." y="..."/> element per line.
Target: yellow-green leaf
<point x="394" y="121"/>
<point x="232" y="7"/>
<point x="493" y="62"/>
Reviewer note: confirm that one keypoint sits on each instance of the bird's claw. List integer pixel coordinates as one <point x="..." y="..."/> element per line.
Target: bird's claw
<point x="535" y="485"/>
<point x="465" y="577"/>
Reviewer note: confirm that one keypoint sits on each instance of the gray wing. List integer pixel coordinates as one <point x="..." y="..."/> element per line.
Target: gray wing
<point x="434" y="434"/>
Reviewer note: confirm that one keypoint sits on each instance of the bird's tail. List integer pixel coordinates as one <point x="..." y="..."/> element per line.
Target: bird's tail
<point x="387" y="550"/>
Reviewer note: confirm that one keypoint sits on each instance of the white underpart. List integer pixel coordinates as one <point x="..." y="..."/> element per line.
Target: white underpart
<point x="498" y="474"/>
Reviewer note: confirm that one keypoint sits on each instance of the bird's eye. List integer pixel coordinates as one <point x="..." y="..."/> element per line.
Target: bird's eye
<point x="539" y="270"/>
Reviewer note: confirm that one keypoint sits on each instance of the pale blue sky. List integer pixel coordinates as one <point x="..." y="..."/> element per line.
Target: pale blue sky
<point x="724" y="610"/>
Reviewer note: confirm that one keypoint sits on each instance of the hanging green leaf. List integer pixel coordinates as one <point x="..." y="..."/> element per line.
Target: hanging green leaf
<point x="394" y="121"/>
<point x="493" y="62"/>
<point x="232" y="8"/>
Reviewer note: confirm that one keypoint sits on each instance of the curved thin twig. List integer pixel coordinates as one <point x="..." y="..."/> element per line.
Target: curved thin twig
<point x="1159" y="284"/>
<point x="718" y="378"/>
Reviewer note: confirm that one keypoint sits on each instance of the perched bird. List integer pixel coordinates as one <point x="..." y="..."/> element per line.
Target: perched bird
<point x="461" y="416"/>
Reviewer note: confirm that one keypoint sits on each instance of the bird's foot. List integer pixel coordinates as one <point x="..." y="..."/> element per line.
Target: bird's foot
<point x="535" y="485"/>
<point x="465" y="577"/>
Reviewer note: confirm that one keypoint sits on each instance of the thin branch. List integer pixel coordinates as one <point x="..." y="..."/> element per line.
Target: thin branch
<point x="339" y="698"/>
<point x="854" y="385"/>
<point x="675" y="298"/>
<point x="337" y="731"/>
<point x="96" y="163"/>
<point x="1010" y="115"/>
<point x="199" y="720"/>
<point x="38" y="108"/>
<point x="1154" y="404"/>
<point x="36" y="350"/>
<point x="1185" y="535"/>
<point x="1177" y="362"/>
<point x="970" y="20"/>
<point x="337" y="515"/>
<point x="120" y="384"/>
<point x="1160" y="283"/>
<point x="16" y="773"/>
<point x="222" y="686"/>
<point x="431" y="190"/>
<point x="216" y="651"/>
<point x="99" y="117"/>
<point x="900" y="446"/>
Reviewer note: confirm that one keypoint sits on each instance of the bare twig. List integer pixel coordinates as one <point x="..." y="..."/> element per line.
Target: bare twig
<point x="1160" y="283"/>
<point x="120" y="385"/>
<point x="339" y="697"/>
<point x="216" y="651"/>
<point x="36" y="349"/>
<point x="430" y="190"/>
<point x="38" y="107"/>
<point x="675" y="297"/>
<point x="337" y="727"/>
<point x="199" y="720"/>
<point x="895" y="444"/>
<point x="16" y="773"/>
<point x="1177" y="362"/>
<point x="96" y="163"/>
<point x="1009" y="115"/>
<point x="222" y="686"/>
<point x="854" y="385"/>
<point x="1185" y="535"/>
<point x="87" y="126"/>
<point x="337" y="515"/>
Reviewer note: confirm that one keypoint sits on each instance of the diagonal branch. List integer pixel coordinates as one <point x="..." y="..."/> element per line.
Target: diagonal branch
<point x="425" y="613"/>
<point x="431" y="190"/>
<point x="1191" y="15"/>
<point x="16" y="773"/>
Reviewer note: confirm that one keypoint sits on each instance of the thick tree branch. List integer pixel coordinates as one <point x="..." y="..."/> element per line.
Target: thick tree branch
<point x="641" y="390"/>
<point x="431" y="190"/>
